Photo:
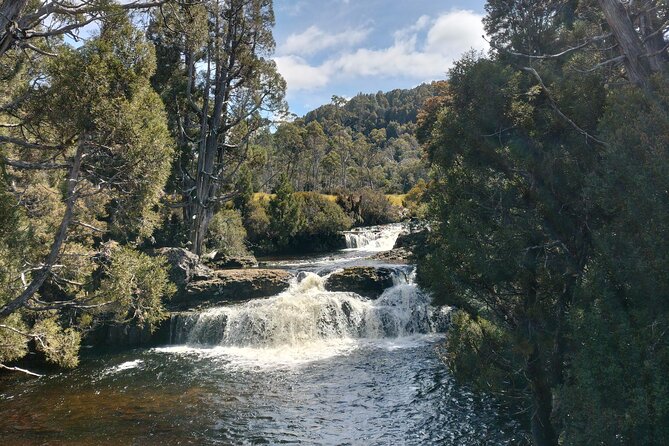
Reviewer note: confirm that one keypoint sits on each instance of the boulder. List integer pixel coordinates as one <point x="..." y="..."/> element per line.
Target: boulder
<point x="233" y="285"/>
<point x="397" y="256"/>
<point x="366" y="281"/>
<point x="218" y="260"/>
<point x="413" y="239"/>
<point x="184" y="266"/>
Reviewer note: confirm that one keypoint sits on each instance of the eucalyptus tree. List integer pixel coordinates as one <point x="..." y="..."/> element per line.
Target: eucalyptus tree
<point x="224" y="89"/>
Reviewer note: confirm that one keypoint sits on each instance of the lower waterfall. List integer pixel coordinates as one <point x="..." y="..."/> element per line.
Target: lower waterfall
<point x="307" y="313"/>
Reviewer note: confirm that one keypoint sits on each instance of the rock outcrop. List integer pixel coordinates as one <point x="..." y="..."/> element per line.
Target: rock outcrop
<point x="184" y="266"/>
<point x="218" y="260"/>
<point x="397" y="256"/>
<point x="366" y="281"/>
<point x="232" y="285"/>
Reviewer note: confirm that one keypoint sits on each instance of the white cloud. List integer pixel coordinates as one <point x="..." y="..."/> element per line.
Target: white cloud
<point x="422" y="52"/>
<point x="299" y="75"/>
<point x="314" y="40"/>
<point x="456" y="32"/>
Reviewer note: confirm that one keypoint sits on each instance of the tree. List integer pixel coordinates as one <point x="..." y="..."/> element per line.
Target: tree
<point x="215" y="119"/>
<point x="284" y="214"/>
<point x="33" y="26"/>
<point x="512" y="236"/>
<point x="545" y="165"/>
<point x="85" y="153"/>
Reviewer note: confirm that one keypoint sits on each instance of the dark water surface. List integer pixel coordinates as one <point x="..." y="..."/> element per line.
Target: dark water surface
<point x="385" y="392"/>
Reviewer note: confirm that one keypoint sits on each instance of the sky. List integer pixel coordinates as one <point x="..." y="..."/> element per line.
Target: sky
<point x="346" y="47"/>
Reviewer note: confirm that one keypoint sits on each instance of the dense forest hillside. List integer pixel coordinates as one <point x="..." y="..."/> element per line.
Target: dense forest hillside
<point x="365" y="142"/>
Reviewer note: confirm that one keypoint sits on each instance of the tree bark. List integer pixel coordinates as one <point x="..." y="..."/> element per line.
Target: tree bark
<point x="61" y="236"/>
<point x="543" y="432"/>
<point x="10" y="11"/>
<point x="637" y="66"/>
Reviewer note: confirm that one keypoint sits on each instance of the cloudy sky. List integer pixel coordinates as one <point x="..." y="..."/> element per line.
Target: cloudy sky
<point x="344" y="47"/>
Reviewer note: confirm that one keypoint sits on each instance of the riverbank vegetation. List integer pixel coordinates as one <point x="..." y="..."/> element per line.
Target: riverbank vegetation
<point x="151" y="128"/>
<point x="542" y="167"/>
<point x="549" y="199"/>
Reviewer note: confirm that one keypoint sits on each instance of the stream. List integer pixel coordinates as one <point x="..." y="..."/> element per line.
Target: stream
<point x="307" y="366"/>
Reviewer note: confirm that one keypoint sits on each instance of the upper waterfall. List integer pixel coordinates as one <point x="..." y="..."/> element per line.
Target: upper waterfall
<point x="373" y="238"/>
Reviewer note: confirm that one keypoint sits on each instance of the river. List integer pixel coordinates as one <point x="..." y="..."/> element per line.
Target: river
<point x="308" y="366"/>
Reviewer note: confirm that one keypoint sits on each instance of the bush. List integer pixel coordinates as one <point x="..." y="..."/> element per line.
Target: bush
<point x="227" y="234"/>
<point x="369" y="207"/>
<point x="321" y="223"/>
<point x="416" y="200"/>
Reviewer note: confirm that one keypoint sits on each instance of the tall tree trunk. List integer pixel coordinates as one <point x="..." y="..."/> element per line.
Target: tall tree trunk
<point x="653" y="37"/>
<point x="71" y="196"/>
<point x="636" y="63"/>
<point x="543" y="432"/>
<point x="10" y="10"/>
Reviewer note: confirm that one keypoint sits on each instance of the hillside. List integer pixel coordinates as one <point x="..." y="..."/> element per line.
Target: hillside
<point x="368" y="141"/>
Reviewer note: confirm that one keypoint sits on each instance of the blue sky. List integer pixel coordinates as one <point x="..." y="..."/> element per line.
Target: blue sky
<point x="344" y="47"/>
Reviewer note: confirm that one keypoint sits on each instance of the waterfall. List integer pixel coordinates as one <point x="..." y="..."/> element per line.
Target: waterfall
<point x="373" y="238"/>
<point x="307" y="313"/>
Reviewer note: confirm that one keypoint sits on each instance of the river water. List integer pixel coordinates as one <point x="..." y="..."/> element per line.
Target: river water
<point x="305" y="367"/>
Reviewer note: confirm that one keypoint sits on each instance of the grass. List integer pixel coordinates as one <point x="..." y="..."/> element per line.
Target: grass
<point x="396" y="199"/>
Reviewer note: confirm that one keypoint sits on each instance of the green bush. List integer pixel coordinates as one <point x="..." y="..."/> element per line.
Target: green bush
<point x="416" y="200"/>
<point x="321" y="223"/>
<point x="368" y="207"/>
<point x="227" y="234"/>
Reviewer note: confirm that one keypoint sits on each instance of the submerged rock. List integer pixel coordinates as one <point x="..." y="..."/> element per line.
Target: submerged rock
<point x="366" y="281"/>
<point x="233" y="285"/>
<point x="218" y="260"/>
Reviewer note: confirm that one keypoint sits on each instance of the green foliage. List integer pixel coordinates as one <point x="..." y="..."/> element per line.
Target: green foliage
<point x="618" y="373"/>
<point x="102" y="91"/>
<point x="549" y="206"/>
<point x="367" y="142"/>
<point x="135" y="285"/>
<point x="13" y="341"/>
<point x="227" y="234"/>
<point x="368" y="207"/>
<point x="416" y="200"/>
<point x="284" y="214"/>
<point x="59" y="345"/>
<point x="321" y="224"/>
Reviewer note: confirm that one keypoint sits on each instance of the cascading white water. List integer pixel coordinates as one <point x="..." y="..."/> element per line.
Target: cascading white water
<point x="374" y="238"/>
<point x="307" y="313"/>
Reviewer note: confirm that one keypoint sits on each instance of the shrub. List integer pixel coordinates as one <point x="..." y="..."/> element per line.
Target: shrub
<point x="227" y="234"/>
<point x="416" y="200"/>
<point x="321" y="223"/>
<point x="369" y="207"/>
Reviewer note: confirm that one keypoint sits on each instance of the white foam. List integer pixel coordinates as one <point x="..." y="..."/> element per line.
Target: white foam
<point x="374" y="238"/>
<point x="128" y="365"/>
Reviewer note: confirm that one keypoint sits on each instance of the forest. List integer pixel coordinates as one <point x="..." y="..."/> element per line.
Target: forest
<point x="540" y="168"/>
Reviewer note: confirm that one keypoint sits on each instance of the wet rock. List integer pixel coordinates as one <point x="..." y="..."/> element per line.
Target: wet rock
<point x="398" y="256"/>
<point x="218" y="260"/>
<point x="363" y="280"/>
<point x="184" y="266"/>
<point x="441" y="319"/>
<point x="233" y="285"/>
<point x="415" y="238"/>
